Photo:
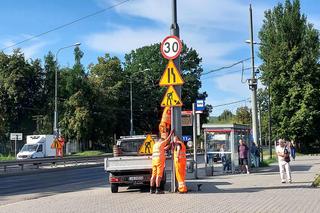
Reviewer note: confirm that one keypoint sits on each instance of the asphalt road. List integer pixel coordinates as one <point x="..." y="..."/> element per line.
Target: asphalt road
<point x="31" y="186"/>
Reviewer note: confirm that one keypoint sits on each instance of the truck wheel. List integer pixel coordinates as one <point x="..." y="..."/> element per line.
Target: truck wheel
<point x="114" y="187"/>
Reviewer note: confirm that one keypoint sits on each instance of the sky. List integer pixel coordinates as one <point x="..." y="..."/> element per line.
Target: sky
<point x="216" y="29"/>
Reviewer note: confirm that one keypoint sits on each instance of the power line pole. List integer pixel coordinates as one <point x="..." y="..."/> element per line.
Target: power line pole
<point x="269" y="116"/>
<point x="253" y="83"/>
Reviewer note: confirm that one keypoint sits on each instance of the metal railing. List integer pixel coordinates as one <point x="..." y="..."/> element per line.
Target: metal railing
<point x="53" y="161"/>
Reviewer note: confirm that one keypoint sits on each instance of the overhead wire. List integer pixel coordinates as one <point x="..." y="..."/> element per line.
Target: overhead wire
<point x="66" y="24"/>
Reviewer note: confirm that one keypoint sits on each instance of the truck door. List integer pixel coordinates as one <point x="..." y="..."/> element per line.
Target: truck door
<point x="39" y="153"/>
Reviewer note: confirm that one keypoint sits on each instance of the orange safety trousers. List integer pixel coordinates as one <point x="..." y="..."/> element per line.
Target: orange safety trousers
<point x="180" y="167"/>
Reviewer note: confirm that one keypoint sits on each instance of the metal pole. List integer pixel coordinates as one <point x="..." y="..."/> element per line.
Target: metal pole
<point x="194" y="141"/>
<point x="176" y="111"/>
<point x="55" y="122"/>
<point x="254" y="84"/>
<point x="131" y="115"/>
<point x="15" y="146"/>
<point x="269" y="124"/>
<point x="173" y="171"/>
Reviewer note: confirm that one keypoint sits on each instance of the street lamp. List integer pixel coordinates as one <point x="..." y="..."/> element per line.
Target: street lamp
<point x="55" y="122"/>
<point x="131" y="113"/>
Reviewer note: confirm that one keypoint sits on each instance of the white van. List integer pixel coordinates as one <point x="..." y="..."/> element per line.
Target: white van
<point x="37" y="146"/>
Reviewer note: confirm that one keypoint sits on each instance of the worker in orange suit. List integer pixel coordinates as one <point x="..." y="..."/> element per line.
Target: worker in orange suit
<point x="61" y="142"/>
<point x="165" y="124"/>
<point x="158" y="162"/>
<point x="180" y="160"/>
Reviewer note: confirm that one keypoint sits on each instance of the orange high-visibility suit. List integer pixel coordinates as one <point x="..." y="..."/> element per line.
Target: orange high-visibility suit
<point x="180" y="161"/>
<point x="158" y="158"/>
<point x="165" y="124"/>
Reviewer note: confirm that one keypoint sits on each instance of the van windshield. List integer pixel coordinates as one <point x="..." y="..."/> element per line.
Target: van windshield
<point x="29" y="148"/>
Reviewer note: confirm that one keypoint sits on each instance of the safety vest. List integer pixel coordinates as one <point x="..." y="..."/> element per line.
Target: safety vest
<point x="158" y="153"/>
<point x="182" y="152"/>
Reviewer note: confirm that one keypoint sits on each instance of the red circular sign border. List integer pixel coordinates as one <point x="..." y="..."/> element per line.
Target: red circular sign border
<point x="179" y="51"/>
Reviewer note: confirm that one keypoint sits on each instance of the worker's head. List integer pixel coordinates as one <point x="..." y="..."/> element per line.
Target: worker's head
<point x="164" y="135"/>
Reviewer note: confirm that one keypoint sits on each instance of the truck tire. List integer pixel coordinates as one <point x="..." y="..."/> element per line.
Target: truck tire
<point x="114" y="187"/>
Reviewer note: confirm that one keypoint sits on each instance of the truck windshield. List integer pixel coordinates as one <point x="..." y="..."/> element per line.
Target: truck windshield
<point x="29" y="148"/>
<point x="131" y="145"/>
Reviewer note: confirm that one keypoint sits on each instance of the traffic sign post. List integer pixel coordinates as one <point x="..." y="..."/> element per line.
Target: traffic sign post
<point x="15" y="137"/>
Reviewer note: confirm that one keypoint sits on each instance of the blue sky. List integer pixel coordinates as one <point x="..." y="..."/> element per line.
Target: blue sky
<point x="216" y="29"/>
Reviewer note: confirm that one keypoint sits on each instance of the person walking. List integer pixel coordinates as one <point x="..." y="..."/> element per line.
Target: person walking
<point x="293" y="150"/>
<point x="158" y="162"/>
<point x="180" y="162"/>
<point x="283" y="153"/>
<point x="243" y="156"/>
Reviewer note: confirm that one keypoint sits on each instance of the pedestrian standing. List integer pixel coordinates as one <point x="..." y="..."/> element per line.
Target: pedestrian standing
<point x="283" y="153"/>
<point x="243" y="156"/>
<point x="158" y="162"/>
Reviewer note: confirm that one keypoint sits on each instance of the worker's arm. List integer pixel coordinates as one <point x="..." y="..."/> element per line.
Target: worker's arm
<point x="178" y="150"/>
<point x="168" y="138"/>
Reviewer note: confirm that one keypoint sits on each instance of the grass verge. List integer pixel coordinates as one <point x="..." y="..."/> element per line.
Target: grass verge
<point x="8" y="157"/>
<point x="267" y="162"/>
<point x="316" y="182"/>
<point x="89" y="153"/>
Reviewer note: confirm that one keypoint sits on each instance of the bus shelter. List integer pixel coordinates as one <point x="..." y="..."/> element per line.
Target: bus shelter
<point x="221" y="141"/>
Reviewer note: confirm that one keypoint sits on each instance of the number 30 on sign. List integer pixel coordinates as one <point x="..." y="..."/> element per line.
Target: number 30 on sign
<point x="171" y="47"/>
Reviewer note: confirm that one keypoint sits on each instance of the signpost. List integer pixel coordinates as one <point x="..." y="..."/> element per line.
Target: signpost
<point x="15" y="137"/>
<point x="171" y="48"/>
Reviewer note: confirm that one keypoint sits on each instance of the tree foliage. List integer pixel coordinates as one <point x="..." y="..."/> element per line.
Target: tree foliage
<point x="93" y="104"/>
<point x="290" y="54"/>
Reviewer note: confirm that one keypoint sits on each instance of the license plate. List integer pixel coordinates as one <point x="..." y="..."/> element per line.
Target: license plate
<point x="136" y="178"/>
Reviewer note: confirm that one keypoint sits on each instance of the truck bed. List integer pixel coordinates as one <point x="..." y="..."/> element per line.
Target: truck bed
<point x="130" y="163"/>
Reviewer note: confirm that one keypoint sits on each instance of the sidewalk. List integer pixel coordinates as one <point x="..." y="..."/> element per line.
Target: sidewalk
<point x="261" y="191"/>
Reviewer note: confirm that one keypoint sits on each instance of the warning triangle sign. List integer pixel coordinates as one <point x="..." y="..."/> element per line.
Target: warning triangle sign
<point x="147" y="146"/>
<point x="171" y="75"/>
<point x="171" y="98"/>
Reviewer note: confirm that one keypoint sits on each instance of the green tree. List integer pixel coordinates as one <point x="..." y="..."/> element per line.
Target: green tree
<point x="243" y="115"/>
<point x="146" y="65"/>
<point x="226" y="117"/>
<point x="290" y="54"/>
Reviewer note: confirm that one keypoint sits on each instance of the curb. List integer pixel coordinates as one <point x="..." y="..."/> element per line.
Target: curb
<point x="48" y="170"/>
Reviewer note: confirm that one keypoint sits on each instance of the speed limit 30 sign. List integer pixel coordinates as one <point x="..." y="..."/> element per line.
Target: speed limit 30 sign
<point x="171" y="47"/>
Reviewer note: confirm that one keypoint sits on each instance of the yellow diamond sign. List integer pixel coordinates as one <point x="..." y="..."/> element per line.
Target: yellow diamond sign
<point x="171" y="98"/>
<point x="171" y="75"/>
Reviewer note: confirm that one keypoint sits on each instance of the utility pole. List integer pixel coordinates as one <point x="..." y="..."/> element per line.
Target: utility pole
<point x="176" y="111"/>
<point x="194" y="127"/>
<point x="131" y="115"/>
<point x="253" y="83"/>
<point x="269" y="115"/>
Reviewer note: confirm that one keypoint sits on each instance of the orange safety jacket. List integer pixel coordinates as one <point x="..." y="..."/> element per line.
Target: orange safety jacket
<point x="180" y="161"/>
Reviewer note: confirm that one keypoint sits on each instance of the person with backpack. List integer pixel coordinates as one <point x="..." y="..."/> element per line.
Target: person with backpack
<point x="283" y="153"/>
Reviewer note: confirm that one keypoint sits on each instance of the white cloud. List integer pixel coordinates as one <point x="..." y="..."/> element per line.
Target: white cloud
<point x="232" y="84"/>
<point x="29" y="51"/>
